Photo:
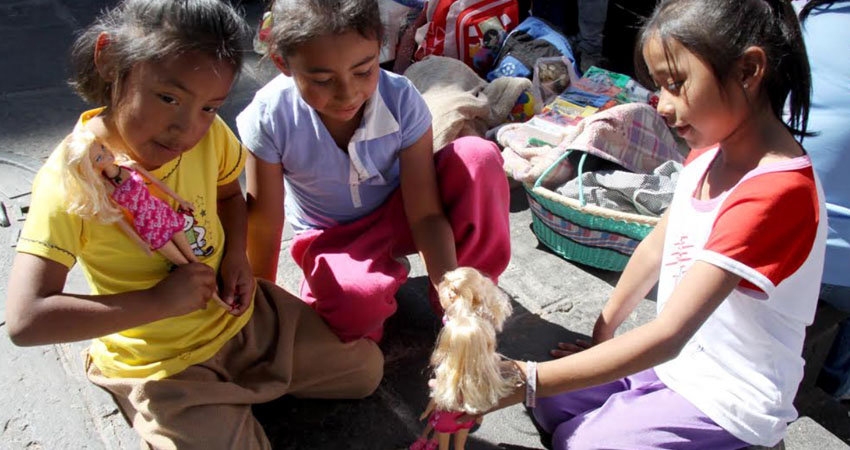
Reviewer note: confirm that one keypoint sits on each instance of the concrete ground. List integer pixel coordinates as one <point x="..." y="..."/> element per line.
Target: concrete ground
<point x="48" y="404"/>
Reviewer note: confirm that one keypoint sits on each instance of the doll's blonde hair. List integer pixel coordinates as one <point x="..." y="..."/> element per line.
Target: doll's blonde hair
<point x="83" y="186"/>
<point x="467" y="368"/>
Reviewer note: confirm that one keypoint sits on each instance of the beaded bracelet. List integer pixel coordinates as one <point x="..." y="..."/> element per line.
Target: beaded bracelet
<point x="530" y="384"/>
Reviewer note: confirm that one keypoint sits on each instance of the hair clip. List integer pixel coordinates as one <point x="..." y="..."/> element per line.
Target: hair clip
<point x="261" y="40"/>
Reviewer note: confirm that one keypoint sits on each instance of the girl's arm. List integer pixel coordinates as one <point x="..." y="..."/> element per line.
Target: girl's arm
<point x="162" y="186"/>
<point x="265" y="215"/>
<point x="39" y="312"/>
<point x="640" y="275"/>
<point x="237" y="280"/>
<point x="431" y="231"/>
<point x="701" y="291"/>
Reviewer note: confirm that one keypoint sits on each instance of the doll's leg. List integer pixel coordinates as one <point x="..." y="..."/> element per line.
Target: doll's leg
<point x="423" y="441"/>
<point x="427" y="431"/>
<point x="460" y="438"/>
<point x="444" y="440"/>
<point x="182" y="243"/>
<point x="172" y="253"/>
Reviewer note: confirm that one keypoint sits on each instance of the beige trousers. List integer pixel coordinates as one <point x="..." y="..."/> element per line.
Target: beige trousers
<point x="284" y="349"/>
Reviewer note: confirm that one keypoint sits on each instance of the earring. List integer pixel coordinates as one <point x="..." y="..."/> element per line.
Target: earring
<point x="746" y="85"/>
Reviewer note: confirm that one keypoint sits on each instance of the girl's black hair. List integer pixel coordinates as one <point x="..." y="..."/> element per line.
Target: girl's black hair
<point x="812" y="4"/>
<point x="144" y="30"/>
<point x="295" y="22"/>
<point x="719" y="31"/>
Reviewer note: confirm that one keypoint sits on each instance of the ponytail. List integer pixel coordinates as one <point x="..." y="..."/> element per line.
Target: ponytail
<point x="791" y="77"/>
<point x="812" y="4"/>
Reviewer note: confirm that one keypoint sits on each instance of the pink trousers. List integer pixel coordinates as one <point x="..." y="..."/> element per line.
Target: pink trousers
<point x="351" y="275"/>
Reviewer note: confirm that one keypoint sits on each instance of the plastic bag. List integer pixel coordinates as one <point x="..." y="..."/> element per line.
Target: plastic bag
<point x="552" y="76"/>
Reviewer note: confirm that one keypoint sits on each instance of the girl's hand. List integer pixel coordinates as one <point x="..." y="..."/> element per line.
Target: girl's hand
<point x="187" y="288"/>
<point x="568" y="348"/>
<point x="237" y="282"/>
<point x="601" y="333"/>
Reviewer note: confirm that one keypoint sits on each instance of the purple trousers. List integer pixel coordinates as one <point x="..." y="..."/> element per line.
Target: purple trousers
<point x="634" y="413"/>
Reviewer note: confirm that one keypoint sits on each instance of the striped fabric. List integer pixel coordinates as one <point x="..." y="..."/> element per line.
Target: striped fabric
<point x="581" y="235"/>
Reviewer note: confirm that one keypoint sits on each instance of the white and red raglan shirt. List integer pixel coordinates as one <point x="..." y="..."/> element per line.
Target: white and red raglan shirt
<point x="743" y="366"/>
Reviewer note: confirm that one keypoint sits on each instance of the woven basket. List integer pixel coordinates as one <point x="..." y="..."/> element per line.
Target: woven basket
<point x="587" y="234"/>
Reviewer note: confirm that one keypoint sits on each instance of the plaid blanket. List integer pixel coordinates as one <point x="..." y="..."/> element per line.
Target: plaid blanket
<point x="632" y="135"/>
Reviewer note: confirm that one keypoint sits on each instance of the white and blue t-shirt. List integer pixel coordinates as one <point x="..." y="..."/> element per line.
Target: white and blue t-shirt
<point x="324" y="185"/>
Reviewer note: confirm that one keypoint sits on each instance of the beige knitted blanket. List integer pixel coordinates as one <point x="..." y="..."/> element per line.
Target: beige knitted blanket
<point x="461" y="103"/>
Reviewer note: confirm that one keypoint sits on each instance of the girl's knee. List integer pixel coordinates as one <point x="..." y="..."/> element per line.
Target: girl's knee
<point x="474" y="153"/>
<point x="571" y="435"/>
<point x="352" y="318"/>
<point x="371" y="370"/>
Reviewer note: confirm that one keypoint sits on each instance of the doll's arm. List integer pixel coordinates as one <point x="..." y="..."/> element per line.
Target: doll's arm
<point x="131" y="232"/>
<point x="185" y="204"/>
<point x="428" y="410"/>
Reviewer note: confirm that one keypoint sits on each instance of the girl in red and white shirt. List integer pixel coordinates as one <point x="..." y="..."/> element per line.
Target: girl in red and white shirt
<point x="738" y="257"/>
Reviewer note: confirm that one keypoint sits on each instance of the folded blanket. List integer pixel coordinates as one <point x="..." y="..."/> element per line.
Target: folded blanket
<point x="637" y="193"/>
<point x="632" y="135"/>
<point x="461" y="103"/>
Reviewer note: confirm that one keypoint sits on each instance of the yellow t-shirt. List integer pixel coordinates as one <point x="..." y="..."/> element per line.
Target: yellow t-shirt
<point x="114" y="263"/>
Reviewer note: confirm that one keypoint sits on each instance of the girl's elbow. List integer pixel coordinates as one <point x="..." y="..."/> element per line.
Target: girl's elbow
<point x="20" y="323"/>
<point x="20" y="330"/>
<point x="671" y="341"/>
<point x="672" y="348"/>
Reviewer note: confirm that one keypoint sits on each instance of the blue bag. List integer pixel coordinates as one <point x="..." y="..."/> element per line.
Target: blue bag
<point x="532" y="39"/>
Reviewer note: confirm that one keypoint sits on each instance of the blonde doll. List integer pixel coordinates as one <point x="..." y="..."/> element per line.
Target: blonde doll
<point x="469" y="377"/>
<point x="98" y="189"/>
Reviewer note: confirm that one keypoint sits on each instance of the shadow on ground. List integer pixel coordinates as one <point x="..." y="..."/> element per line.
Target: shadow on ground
<point x="389" y="418"/>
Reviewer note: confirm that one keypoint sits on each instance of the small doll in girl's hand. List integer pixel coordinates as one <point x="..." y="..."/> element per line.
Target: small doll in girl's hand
<point x="469" y="376"/>
<point x="98" y="189"/>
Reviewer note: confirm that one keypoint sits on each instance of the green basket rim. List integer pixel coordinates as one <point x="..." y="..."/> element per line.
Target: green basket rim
<point x="629" y="229"/>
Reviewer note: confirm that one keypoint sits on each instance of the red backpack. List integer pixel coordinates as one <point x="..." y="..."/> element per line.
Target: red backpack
<point x="469" y="30"/>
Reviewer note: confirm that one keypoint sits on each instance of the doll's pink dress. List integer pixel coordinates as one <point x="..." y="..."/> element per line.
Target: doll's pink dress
<point x="154" y="220"/>
<point x="445" y="422"/>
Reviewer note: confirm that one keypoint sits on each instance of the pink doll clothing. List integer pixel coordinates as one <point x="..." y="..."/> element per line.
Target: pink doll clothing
<point x="445" y="422"/>
<point x="351" y="275"/>
<point x="154" y="220"/>
<point x="424" y="443"/>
